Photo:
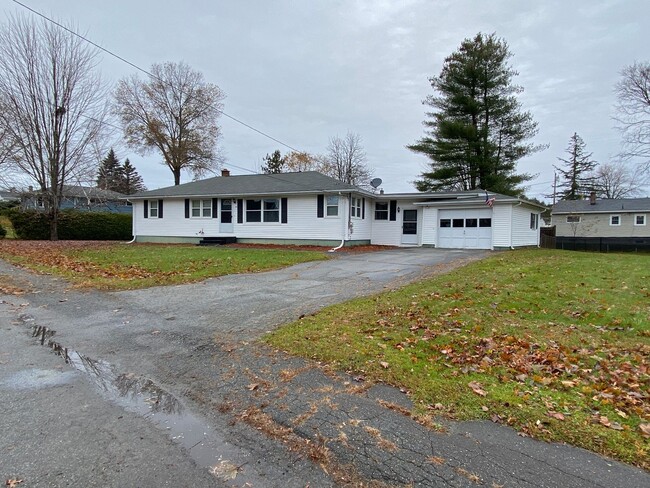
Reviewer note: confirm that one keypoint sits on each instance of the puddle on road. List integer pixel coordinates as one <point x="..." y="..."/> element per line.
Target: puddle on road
<point x="143" y="397"/>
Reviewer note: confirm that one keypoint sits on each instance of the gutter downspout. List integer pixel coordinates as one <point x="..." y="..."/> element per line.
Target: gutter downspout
<point x="334" y="249"/>
<point x="133" y="219"/>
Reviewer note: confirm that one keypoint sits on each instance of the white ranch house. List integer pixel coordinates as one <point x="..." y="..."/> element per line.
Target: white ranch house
<point x="311" y="208"/>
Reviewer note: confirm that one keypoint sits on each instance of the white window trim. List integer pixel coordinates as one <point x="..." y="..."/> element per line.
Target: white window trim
<point x="645" y="220"/>
<point x="151" y="209"/>
<point x="263" y="211"/>
<point x="387" y="210"/>
<point x="328" y="206"/>
<point x="201" y="208"/>
<point x="534" y="221"/>
<point x="357" y="208"/>
<point x="611" y="217"/>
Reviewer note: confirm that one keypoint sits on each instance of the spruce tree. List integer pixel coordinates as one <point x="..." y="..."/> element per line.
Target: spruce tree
<point x="274" y="163"/>
<point x="109" y="176"/>
<point x="577" y="171"/>
<point x="477" y="131"/>
<point x="131" y="180"/>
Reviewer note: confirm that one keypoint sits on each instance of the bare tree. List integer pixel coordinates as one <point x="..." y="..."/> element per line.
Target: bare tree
<point x="174" y="112"/>
<point x="618" y="180"/>
<point x="53" y="107"/>
<point x="633" y="110"/>
<point x="346" y="161"/>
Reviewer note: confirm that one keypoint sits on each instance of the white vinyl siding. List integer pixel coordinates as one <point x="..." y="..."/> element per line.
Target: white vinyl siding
<point x="522" y="233"/>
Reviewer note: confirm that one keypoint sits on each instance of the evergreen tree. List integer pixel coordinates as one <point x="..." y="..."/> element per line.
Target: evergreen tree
<point x="274" y="163"/>
<point x="477" y="131"/>
<point x="110" y="173"/>
<point x="577" y="171"/>
<point x="131" y="180"/>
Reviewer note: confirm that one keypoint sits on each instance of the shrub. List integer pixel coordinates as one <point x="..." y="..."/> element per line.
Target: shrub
<point x="73" y="225"/>
<point x="3" y="232"/>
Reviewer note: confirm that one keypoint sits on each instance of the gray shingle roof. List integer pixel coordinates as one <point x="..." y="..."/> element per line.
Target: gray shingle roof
<point x="283" y="183"/>
<point x="90" y="192"/>
<point x="606" y="205"/>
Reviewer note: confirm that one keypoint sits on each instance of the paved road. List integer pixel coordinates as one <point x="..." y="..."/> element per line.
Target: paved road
<point x="168" y="387"/>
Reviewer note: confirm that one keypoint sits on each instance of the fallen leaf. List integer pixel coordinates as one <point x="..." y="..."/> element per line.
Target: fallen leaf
<point x="225" y="470"/>
<point x="13" y="482"/>
<point x="253" y="386"/>
<point x="555" y="415"/>
<point x="484" y="408"/>
<point x="383" y="364"/>
<point x="645" y="430"/>
<point x="477" y="388"/>
<point x="569" y="383"/>
<point x="621" y="413"/>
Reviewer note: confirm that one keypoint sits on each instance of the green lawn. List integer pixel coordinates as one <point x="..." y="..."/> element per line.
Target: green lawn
<point x="120" y="266"/>
<point x="555" y="344"/>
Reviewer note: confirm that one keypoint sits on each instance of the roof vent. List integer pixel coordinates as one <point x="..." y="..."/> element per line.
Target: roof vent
<point x="225" y="172"/>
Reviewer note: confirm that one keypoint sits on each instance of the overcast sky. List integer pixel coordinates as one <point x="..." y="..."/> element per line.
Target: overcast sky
<point x="304" y="71"/>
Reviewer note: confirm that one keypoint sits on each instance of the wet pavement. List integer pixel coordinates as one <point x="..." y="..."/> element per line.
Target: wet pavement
<point x="168" y="387"/>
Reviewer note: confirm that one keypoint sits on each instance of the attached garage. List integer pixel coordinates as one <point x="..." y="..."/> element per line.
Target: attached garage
<point x="465" y="229"/>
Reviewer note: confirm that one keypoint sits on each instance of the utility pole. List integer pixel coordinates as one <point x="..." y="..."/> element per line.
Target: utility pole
<point x="554" y="186"/>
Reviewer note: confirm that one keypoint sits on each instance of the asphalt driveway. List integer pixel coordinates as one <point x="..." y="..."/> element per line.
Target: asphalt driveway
<point x="168" y="387"/>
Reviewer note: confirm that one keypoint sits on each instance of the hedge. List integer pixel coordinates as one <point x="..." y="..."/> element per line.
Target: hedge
<point x="3" y="232"/>
<point x="73" y="225"/>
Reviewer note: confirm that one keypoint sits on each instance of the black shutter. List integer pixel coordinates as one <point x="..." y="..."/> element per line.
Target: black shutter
<point x="283" y="210"/>
<point x="146" y="209"/>
<point x="160" y="215"/>
<point x="187" y="208"/>
<point x="393" y="210"/>
<point x="320" y="206"/>
<point x="240" y="211"/>
<point x="363" y="208"/>
<point x="215" y="208"/>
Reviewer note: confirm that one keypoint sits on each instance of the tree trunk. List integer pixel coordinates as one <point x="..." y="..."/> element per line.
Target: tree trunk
<point x="177" y="176"/>
<point x="54" y="224"/>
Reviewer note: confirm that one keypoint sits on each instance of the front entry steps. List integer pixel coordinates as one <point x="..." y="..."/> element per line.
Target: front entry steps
<point x="217" y="241"/>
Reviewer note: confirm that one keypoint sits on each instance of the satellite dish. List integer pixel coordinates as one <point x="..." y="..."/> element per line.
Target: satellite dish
<point x="375" y="182"/>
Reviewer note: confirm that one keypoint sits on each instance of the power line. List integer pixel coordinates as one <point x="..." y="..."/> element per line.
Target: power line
<point x="124" y="60"/>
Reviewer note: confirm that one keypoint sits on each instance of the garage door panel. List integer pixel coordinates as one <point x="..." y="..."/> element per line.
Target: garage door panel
<point x="468" y="229"/>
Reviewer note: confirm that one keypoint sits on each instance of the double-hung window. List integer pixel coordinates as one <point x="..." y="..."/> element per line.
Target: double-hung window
<point x="201" y="208"/>
<point x="614" y="220"/>
<point x="332" y="206"/>
<point x="534" y="221"/>
<point x="381" y="210"/>
<point x="263" y="210"/>
<point x="639" y="219"/>
<point x="573" y="219"/>
<point x="153" y="209"/>
<point x="357" y="207"/>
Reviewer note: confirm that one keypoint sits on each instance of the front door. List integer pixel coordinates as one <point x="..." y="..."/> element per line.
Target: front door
<point x="225" y="225"/>
<point x="410" y="226"/>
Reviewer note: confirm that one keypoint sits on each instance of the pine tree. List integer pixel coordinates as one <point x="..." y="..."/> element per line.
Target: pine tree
<point x="477" y="131"/>
<point x="577" y="171"/>
<point x="274" y="163"/>
<point x="110" y="175"/>
<point x="131" y="180"/>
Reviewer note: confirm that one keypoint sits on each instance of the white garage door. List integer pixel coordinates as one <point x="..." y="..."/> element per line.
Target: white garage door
<point x="465" y="229"/>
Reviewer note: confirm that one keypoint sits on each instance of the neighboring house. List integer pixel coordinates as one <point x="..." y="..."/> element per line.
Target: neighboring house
<point x="311" y="208"/>
<point x="623" y="222"/>
<point x="83" y="198"/>
<point x="9" y="196"/>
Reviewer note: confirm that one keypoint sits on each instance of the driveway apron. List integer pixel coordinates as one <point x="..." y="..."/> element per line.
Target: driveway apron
<point x="169" y="386"/>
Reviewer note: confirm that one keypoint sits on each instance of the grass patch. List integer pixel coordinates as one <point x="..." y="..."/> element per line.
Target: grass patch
<point x="6" y="223"/>
<point x="555" y="344"/>
<point x="121" y="267"/>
